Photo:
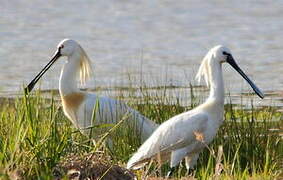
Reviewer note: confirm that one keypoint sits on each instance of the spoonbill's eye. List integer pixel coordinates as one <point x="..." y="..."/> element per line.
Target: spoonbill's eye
<point x="61" y="47"/>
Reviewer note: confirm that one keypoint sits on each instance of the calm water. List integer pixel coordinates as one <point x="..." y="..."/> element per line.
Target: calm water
<point x="162" y="40"/>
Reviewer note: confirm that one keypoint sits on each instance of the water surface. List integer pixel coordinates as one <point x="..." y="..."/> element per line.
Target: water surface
<point x="163" y="41"/>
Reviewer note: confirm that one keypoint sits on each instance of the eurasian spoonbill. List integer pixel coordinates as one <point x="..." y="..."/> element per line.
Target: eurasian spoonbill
<point x="177" y="138"/>
<point x="79" y="105"/>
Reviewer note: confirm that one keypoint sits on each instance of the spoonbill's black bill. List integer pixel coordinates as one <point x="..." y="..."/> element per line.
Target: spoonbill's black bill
<point x="40" y="74"/>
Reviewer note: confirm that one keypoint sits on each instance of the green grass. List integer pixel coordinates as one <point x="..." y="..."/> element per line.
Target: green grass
<point x="35" y="136"/>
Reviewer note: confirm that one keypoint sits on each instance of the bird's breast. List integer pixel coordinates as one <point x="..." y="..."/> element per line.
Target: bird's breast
<point x="72" y="101"/>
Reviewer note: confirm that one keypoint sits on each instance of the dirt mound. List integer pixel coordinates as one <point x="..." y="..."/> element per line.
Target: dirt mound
<point x="91" y="167"/>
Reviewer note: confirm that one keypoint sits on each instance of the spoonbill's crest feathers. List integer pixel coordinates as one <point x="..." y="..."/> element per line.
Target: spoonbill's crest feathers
<point x="203" y="70"/>
<point x="85" y="67"/>
<point x="70" y="47"/>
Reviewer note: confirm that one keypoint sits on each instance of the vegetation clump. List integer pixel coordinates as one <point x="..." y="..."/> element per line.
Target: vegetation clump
<point x="90" y="166"/>
<point x="38" y="142"/>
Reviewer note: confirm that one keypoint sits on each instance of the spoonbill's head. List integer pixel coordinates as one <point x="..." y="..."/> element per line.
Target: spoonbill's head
<point x="218" y="55"/>
<point x="69" y="48"/>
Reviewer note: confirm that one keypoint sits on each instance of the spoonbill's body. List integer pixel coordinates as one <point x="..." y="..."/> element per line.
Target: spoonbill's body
<point x="80" y="106"/>
<point x="185" y="135"/>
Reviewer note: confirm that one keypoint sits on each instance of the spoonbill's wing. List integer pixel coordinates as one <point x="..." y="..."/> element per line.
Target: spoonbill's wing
<point x="176" y="133"/>
<point x="104" y="110"/>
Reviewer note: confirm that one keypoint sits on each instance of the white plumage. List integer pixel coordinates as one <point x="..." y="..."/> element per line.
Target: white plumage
<point x="185" y="135"/>
<point x="80" y="106"/>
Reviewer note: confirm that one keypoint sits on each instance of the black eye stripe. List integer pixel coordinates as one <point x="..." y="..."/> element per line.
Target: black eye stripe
<point x="225" y="53"/>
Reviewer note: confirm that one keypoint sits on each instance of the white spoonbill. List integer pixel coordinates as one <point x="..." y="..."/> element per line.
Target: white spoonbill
<point x="176" y="138"/>
<point x="78" y="105"/>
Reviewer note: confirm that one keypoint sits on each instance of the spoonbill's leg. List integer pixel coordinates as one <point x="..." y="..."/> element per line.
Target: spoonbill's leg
<point x="191" y="161"/>
<point x="170" y="172"/>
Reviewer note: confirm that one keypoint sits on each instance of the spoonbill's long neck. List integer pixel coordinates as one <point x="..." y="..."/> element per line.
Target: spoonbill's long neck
<point x="68" y="83"/>
<point x="216" y="83"/>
